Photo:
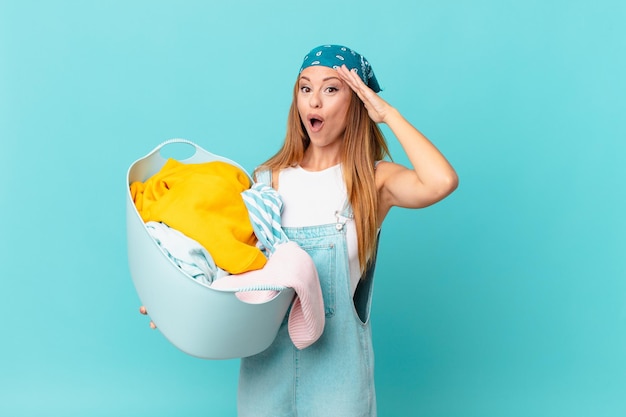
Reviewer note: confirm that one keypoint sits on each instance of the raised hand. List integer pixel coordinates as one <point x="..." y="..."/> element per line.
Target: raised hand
<point x="377" y="108"/>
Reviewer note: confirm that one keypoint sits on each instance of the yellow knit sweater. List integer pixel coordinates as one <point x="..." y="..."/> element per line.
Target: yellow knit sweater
<point x="203" y="201"/>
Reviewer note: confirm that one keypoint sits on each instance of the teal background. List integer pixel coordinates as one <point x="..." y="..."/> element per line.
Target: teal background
<point x="507" y="299"/>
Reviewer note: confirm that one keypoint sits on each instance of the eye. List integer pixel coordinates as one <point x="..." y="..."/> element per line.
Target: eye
<point x="331" y="89"/>
<point x="305" y="89"/>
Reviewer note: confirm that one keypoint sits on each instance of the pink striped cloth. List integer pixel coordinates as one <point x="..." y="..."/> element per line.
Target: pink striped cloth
<point x="289" y="266"/>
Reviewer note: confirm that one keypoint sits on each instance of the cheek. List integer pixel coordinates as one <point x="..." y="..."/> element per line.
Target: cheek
<point x="343" y="107"/>
<point x="300" y="110"/>
<point x="341" y="115"/>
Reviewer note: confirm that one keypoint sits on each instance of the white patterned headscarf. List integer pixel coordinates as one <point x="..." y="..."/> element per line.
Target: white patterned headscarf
<point x="334" y="56"/>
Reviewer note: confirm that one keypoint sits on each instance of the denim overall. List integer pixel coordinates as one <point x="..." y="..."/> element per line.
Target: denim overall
<point x="334" y="377"/>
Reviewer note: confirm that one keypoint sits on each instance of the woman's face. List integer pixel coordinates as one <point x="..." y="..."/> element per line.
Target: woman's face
<point x="323" y="100"/>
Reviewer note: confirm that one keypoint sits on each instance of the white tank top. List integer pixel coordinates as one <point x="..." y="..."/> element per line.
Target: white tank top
<point x="312" y="198"/>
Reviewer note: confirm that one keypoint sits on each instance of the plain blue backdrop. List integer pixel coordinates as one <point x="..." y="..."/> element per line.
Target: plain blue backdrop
<point x="508" y="299"/>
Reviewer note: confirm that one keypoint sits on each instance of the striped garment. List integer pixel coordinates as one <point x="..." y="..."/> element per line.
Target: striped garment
<point x="264" y="207"/>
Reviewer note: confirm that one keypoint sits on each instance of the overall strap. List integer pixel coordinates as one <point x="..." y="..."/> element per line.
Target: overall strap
<point x="264" y="176"/>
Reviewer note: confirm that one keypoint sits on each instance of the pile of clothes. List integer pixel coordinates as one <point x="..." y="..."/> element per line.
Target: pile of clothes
<point x="224" y="231"/>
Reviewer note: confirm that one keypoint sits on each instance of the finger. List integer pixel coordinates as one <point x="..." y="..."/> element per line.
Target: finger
<point x="351" y="78"/>
<point x="344" y="73"/>
<point x="348" y="77"/>
<point x="152" y="325"/>
<point x="143" y="310"/>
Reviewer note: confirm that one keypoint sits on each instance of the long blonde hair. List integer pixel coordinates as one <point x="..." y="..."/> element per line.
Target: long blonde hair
<point x="363" y="144"/>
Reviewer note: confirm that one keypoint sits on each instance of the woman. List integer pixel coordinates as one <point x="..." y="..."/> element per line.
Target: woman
<point x="336" y="192"/>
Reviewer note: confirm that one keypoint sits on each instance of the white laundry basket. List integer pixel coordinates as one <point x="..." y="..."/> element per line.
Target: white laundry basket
<point x="199" y="320"/>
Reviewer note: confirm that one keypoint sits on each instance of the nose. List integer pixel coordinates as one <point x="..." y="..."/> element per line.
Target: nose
<point x="315" y="100"/>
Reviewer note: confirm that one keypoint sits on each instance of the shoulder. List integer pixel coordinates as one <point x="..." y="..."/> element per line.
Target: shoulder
<point x="270" y="175"/>
<point x="385" y="170"/>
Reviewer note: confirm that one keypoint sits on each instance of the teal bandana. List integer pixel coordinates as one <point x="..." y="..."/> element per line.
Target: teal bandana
<point x="334" y="56"/>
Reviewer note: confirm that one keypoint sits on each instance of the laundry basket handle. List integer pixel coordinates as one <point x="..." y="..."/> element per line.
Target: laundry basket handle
<point x="174" y="140"/>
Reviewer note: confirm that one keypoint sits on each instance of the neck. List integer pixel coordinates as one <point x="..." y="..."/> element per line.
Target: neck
<point x="315" y="159"/>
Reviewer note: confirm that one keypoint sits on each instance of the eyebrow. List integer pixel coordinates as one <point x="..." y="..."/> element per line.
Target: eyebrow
<point x="324" y="80"/>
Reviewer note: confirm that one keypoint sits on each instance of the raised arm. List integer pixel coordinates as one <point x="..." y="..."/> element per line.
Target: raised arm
<point x="432" y="177"/>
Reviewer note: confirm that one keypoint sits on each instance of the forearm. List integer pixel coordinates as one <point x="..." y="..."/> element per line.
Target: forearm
<point x="431" y="167"/>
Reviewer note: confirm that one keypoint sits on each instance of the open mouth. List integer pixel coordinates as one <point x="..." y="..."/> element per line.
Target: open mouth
<point x="315" y="123"/>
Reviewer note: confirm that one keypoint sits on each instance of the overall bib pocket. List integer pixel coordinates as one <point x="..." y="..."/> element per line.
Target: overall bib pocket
<point x="323" y="255"/>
